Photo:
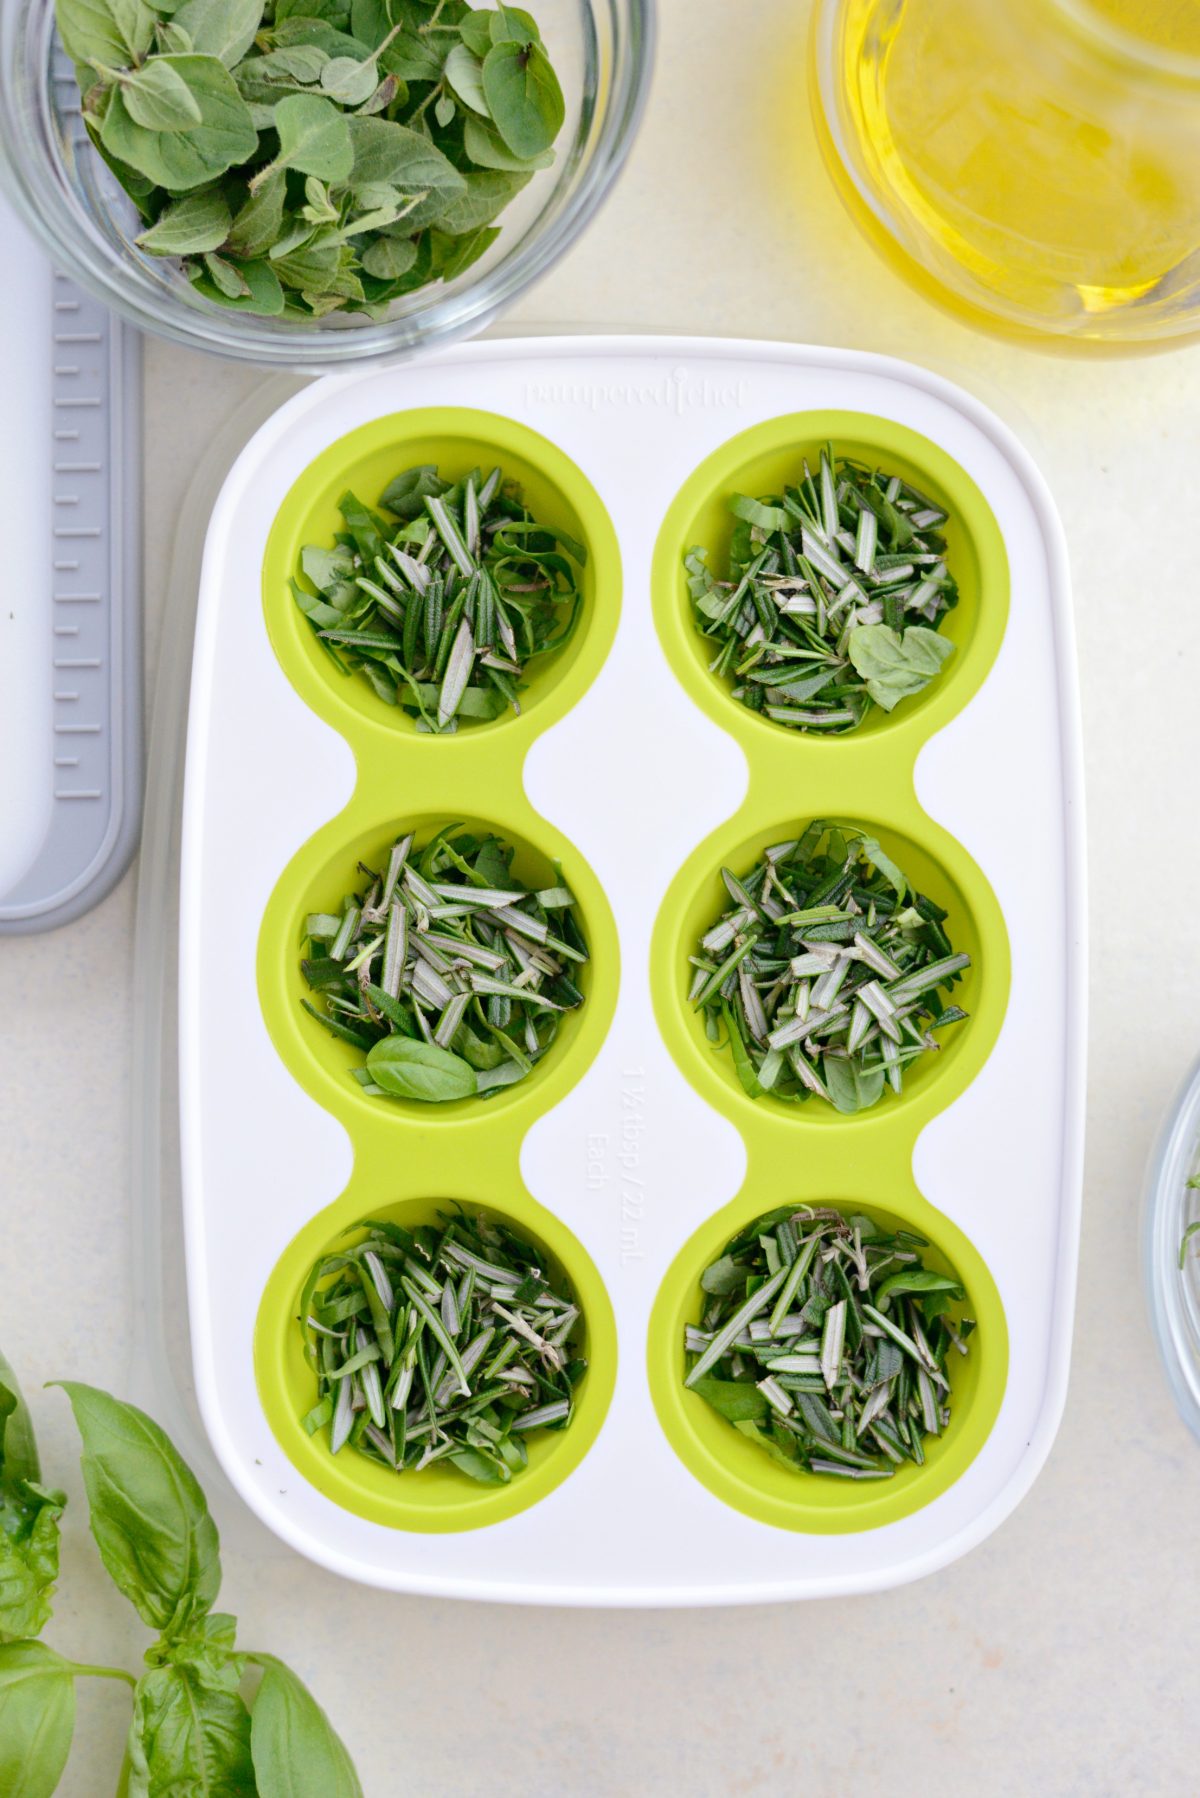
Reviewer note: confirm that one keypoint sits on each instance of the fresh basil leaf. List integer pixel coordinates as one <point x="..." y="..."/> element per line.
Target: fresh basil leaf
<point x="724" y="1276"/>
<point x="387" y="258"/>
<point x="192" y="225"/>
<point x="112" y="32"/>
<point x="37" y="1719"/>
<point x="850" y="1087"/>
<point x="18" y="1446"/>
<point x="190" y="1732"/>
<point x="523" y="96"/>
<point x="406" y="495"/>
<point x="297" y="1752"/>
<point x="181" y="160"/>
<point x="464" y="73"/>
<point x="29" y="1517"/>
<point x="489" y="191"/>
<point x="257" y="224"/>
<point x="29" y="1567"/>
<point x="158" y="97"/>
<point x="896" y="665"/>
<point x="314" y="137"/>
<point x="410" y="1068"/>
<point x="736" y="1400"/>
<point x="221" y="28"/>
<point x="487" y="149"/>
<point x="916" y="1280"/>
<point x="148" y="1514"/>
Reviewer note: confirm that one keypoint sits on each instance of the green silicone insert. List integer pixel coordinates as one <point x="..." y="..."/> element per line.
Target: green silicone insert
<point x="437" y="1499"/>
<point x="810" y="1152"/>
<point x="403" y="1150"/>
<point x="974" y="924"/>
<point x="759" y="461"/>
<point x="456" y="439"/>
<point x="743" y="1474"/>
<point x="327" y="867"/>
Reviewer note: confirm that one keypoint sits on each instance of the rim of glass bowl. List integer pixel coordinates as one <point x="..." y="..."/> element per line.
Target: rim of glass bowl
<point x="30" y="170"/>
<point x="1174" y="1293"/>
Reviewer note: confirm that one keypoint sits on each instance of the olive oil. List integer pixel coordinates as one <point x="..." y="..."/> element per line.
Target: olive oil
<point x="1040" y="159"/>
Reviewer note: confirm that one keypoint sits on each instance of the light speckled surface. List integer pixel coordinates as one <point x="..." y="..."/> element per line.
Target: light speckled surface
<point x="1058" y="1657"/>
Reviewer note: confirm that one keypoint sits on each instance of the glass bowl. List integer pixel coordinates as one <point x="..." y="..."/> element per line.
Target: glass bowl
<point x="602" y="51"/>
<point x="1171" y="1205"/>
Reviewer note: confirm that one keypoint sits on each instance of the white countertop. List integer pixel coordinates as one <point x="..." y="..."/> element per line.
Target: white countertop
<point x="1058" y="1657"/>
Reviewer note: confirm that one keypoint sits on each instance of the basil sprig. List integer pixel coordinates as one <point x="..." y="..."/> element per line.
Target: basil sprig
<point x="832" y="599"/>
<point x="449" y="1343"/>
<point x="445" y="969"/>
<point x="824" y="974"/>
<point x="303" y="157"/>
<point x="443" y="610"/>
<point x="197" y="1724"/>
<point x="826" y="1340"/>
<point x="29" y="1515"/>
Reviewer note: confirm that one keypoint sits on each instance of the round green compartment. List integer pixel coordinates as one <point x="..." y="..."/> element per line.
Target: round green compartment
<point x="974" y="924"/>
<point x="437" y="1499"/>
<point x="742" y="1474"/>
<point x="456" y="440"/>
<point x="760" y="461"/>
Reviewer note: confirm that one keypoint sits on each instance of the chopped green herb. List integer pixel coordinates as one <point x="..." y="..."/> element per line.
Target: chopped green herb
<point x="827" y="1340"/>
<point x="304" y="157"/>
<point x="825" y="972"/>
<point x="443" y="607"/>
<point x="446" y="970"/>
<point x="448" y="1343"/>
<point x="832" y="598"/>
<point x="1193" y="1229"/>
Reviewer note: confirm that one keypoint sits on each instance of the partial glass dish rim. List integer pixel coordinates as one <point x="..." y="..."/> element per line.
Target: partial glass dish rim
<point x="1169" y="1206"/>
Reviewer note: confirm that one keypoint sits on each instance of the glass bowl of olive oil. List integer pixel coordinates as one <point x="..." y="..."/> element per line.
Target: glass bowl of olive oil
<point x="1033" y="163"/>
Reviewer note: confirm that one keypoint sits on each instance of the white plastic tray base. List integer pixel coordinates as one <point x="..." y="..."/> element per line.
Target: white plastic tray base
<point x="632" y="1160"/>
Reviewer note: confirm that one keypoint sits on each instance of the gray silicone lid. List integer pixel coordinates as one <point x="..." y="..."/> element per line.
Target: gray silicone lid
<point x="93" y="647"/>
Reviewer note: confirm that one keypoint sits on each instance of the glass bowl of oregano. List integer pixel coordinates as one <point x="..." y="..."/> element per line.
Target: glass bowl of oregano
<point x="307" y="183"/>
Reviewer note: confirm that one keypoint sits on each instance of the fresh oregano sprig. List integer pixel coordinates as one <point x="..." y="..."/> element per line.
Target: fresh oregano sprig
<point x="826" y="1340"/>
<point x="448" y="1343"/>
<point x="445" y="969"/>
<point x="832" y="597"/>
<point x="199" y="1722"/>
<point x="331" y="156"/>
<point x="443" y="610"/>
<point x="824" y="974"/>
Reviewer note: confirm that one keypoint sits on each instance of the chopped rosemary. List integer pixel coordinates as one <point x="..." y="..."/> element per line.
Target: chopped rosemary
<point x="448" y="1343"/>
<point x="445" y="969"/>
<point x="826" y="1340"/>
<point x="823" y="973"/>
<point x="832" y="599"/>
<point x="443" y="609"/>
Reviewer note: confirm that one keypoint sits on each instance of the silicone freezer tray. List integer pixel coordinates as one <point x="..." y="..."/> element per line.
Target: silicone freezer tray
<point x="631" y="1154"/>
